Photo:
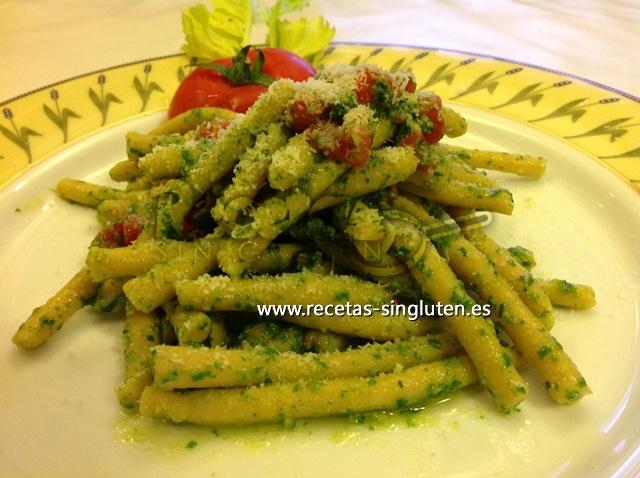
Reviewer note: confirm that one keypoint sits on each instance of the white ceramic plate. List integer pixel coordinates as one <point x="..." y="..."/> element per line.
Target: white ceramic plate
<point x="60" y="416"/>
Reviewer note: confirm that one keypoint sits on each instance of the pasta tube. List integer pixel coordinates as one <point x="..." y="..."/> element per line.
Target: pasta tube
<point x="386" y="167"/>
<point x="276" y="258"/>
<point x="250" y="175"/>
<point x="129" y="261"/>
<point x="567" y="294"/>
<point x="291" y="163"/>
<point x="311" y="398"/>
<point x="563" y="381"/>
<point x="475" y="334"/>
<point x="187" y="367"/>
<point x="302" y="288"/>
<point x="191" y="327"/>
<point x="455" y="193"/>
<point x="169" y="161"/>
<point x="376" y="326"/>
<point x="463" y="173"/>
<point x="141" y="333"/>
<point x="190" y="119"/>
<point x="238" y="137"/>
<point x="530" y="290"/>
<point x="454" y="124"/>
<point x="89" y="194"/>
<point x="521" y="164"/>
<point x="126" y="170"/>
<point x="108" y="295"/>
<point x="45" y="320"/>
<point x="156" y="286"/>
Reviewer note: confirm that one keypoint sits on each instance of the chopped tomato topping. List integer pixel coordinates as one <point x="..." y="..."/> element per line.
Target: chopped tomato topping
<point x="131" y="229"/>
<point x="351" y="147"/>
<point x="364" y="89"/>
<point x="110" y="237"/>
<point x="301" y="118"/>
<point x="411" y="86"/>
<point x="426" y="168"/>
<point x="430" y="106"/>
<point x="410" y="139"/>
<point x="437" y="131"/>
<point x="120" y="234"/>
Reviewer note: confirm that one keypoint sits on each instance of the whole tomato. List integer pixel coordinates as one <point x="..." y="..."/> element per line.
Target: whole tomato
<point x="235" y="83"/>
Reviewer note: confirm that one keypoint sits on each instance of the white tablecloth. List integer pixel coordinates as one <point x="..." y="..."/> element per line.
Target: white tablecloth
<point x="46" y="41"/>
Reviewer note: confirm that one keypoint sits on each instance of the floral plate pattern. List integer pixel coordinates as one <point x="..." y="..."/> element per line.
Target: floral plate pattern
<point x="600" y="121"/>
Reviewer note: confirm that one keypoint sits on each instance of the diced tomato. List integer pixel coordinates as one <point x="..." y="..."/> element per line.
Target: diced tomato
<point x="411" y="86"/>
<point x="410" y="139"/>
<point x="110" y="237"/>
<point x="364" y="89"/>
<point x="353" y="149"/>
<point x="426" y="168"/>
<point x="131" y="229"/>
<point x="120" y="234"/>
<point x="301" y="118"/>
<point x="437" y="131"/>
<point x="430" y="106"/>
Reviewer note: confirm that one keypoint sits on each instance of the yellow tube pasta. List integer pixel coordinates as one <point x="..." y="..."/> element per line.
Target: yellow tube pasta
<point x="157" y="285"/>
<point x="521" y="164"/>
<point x="303" y="288"/>
<point x="475" y="334"/>
<point x="141" y="333"/>
<point x="530" y="290"/>
<point x="459" y="194"/>
<point x="188" y="367"/>
<point x="567" y="294"/>
<point x="45" y="320"/>
<point x="311" y="398"/>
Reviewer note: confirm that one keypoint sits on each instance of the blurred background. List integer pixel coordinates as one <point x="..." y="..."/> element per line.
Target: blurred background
<point x="46" y="41"/>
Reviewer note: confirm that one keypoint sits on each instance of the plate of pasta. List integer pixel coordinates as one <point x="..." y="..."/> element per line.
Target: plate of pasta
<point x="418" y="262"/>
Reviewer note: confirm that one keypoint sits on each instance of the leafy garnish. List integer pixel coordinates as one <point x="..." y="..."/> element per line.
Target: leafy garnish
<point x="223" y="31"/>
<point x="219" y="33"/>
<point x="303" y="37"/>
<point x="262" y="13"/>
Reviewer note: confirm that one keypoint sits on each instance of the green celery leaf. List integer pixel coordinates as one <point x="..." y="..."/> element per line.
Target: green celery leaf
<point x="219" y="33"/>
<point x="305" y="37"/>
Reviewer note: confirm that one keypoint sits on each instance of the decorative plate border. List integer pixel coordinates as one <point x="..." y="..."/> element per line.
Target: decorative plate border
<point x="594" y="118"/>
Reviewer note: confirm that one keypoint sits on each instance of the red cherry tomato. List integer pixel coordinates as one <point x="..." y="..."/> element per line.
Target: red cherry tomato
<point x="208" y="87"/>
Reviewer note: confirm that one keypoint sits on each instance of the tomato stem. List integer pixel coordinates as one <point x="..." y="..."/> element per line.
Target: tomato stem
<point x="242" y="71"/>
